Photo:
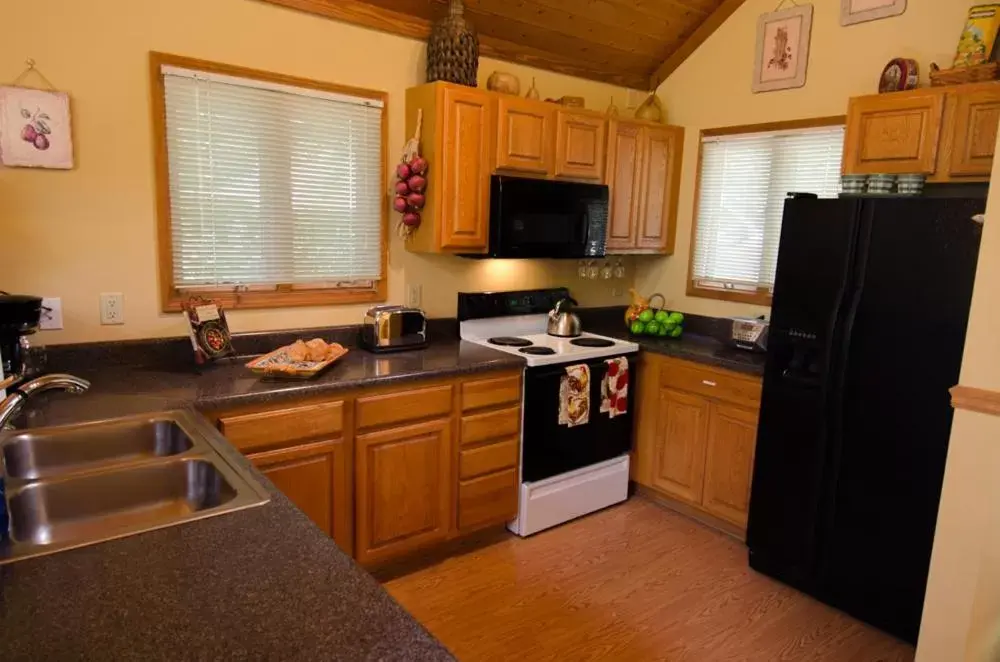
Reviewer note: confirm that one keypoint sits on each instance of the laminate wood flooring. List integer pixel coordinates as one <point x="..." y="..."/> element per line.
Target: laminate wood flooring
<point x="634" y="582"/>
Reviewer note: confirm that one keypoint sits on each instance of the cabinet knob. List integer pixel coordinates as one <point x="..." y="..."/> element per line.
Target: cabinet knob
<point x="708" y="382"/>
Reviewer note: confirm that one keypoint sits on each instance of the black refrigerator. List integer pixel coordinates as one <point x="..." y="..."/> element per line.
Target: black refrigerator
<point x="871" y="303"/>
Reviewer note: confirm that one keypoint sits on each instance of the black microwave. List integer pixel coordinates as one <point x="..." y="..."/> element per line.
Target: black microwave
<point x="538" y="218"/>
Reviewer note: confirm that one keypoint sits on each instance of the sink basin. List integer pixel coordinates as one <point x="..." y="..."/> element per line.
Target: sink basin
<point x="41" y="454"/>
<point x="78" y="485"/>
<point x="104" y="504"/>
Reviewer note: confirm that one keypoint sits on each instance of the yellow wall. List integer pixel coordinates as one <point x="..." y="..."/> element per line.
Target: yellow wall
<point x="90" y="230"/>
<point x="961" y="620"/>
<point x="712" y="89"/>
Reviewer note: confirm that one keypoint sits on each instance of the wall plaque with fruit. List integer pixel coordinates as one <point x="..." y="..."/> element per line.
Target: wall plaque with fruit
<point x="644" y="319"/>
<point x="35" y="128"/>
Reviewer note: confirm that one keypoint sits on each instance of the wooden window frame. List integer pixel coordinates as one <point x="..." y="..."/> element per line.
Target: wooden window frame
<point x="280" y="296"/>
<point x="762" y="297"/>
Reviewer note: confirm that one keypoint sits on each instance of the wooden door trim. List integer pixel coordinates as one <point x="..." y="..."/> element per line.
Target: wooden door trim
<point x="929" y="100"/>
<point x="981" y="400"/>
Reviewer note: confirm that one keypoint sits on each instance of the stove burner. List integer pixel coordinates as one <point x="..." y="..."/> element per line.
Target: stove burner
<point x="538" y="351"/>
<point x="509" y="341"/>
<point x="592" y="342"/>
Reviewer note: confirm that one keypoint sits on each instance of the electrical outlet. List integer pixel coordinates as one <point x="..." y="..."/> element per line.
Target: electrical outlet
<point x="618" y="291"/>
<point x="51" y="314"/>
<point x="112" y="308"/>
<point x="413" y="296"/>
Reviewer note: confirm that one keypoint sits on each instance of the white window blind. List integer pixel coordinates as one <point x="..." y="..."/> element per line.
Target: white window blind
<point x="744" y="180"/>
<point x="272" y="184"/>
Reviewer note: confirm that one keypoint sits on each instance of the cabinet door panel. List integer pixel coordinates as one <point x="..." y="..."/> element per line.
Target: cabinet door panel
<point x="580" y="146"/>
<point x="977" y="115"/>
<point x="317" y="479"/>
<point x="893" y="134"/>
<point x="732" y="437"/>
<point x="403" y="489"/>
<point x="623" y="179"/>
<point x="661" y="164"/>
<point x="680" y="445"/>
<point x="524" y="136"/>
<point x="465" y="170"/>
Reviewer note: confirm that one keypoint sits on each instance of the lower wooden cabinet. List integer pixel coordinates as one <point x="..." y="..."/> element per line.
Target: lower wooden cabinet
<point x="404" y="490"/>
<point x="390" y="471"/>
<point x="697" y="430"/>
<point x="316" y="479"/>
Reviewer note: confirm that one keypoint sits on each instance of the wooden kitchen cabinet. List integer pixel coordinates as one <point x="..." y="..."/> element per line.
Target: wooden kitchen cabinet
<point x="404" y="490"/>
<point x="458" y="137"/>
<point x="580" y="145"/>
<point x="316" y="478"/>
<point x="948" y="133"/>
<point x="643" y="175"/>
<point x="695" y="438"/>
<point x="525" y="135"/>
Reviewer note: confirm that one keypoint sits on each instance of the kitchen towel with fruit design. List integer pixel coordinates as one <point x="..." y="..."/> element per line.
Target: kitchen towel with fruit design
<point x="574" y="396"/>
<point x="614" y="388"/>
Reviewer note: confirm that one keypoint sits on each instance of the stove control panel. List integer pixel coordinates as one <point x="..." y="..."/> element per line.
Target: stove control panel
<point x="483" y="305"/>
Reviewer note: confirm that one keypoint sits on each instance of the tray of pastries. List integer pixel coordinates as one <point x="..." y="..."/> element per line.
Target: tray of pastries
<point x="300" y="360"/>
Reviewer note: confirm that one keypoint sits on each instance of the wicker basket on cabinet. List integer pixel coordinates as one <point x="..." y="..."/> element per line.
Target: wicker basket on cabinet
<point x="453" y="49"/>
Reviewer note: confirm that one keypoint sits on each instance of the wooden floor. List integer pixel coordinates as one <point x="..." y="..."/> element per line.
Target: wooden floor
<point x="634" y="582"/>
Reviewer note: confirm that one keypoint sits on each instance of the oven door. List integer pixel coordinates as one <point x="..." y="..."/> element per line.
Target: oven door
<point x="550" y="449"/>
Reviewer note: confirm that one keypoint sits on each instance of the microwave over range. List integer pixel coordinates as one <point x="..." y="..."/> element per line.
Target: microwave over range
<point x="538" y="218"/>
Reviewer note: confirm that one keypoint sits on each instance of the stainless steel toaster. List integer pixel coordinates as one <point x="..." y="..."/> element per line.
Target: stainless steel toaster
<point x="750" y="333"/>
<point x="394" y="328"/>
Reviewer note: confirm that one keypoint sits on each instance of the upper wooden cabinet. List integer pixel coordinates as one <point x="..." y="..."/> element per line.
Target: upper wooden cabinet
<point x="643" y="174"/>
<point x="525" y="131"/>
<point x="580" y="145"/>
<point x="459" y="127"/>
<point x="947" y="133"/>
<point x="977" y="116"/>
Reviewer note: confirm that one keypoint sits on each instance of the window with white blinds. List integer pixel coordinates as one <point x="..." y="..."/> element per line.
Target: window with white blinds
<point x="272" y="185"/>
<point x="744" y="180"/>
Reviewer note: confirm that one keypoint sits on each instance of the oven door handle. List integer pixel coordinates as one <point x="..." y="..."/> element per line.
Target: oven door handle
<point x="593" y="364"/>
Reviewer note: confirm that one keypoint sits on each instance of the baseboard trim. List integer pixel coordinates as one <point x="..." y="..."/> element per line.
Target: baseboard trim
<point x="691" y="512"/>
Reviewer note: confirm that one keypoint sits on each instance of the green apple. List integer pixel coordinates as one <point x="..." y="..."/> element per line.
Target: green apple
<point x="676" y="318"/>
<point x="646" y="316"/>
<point x="676" y="332"/>
<point x="653" y="328"/>
<point x="637" y="328"/>
<point x="662" y="316"/>
<point x="664" y="331"/>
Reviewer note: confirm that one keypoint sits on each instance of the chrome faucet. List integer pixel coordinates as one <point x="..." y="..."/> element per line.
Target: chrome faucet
<point x="14" y="402"/>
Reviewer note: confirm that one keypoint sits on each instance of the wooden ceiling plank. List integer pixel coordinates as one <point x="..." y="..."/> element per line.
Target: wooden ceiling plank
<point x="697" y="38"/>
<point x="569" y="24"/>
<point x="367" y="15"/>
<point x="620" y="17"/>
<point x="534" y="36"/>
<point x="670" y="9"/>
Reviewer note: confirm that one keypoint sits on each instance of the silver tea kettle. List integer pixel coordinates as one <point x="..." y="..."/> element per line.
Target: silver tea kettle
<point x="562" y="322"/>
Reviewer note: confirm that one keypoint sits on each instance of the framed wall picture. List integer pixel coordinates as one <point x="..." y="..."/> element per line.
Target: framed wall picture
<point x="35" y="128"/>
<point x="783" y="49"/>
<point x="859" y="11"/>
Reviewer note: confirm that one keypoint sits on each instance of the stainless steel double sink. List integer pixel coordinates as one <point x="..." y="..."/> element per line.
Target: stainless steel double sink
<point x="77" y="485"/>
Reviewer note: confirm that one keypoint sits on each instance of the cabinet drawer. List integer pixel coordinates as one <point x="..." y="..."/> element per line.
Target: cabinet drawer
<point x="487" y="459"/>
<point x="377" y="410"/>
<point x="491" y="392"/>
<point x="492" y="425"/>
<point x="283" y="426"/>
<point x="487" y="500"/>
<point x="710" y="383"/>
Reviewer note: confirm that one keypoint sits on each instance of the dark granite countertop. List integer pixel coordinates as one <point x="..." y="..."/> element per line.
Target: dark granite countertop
<point x="118" y="390"/>
<point x="692" y="347"/>
<point x="261" y="584"/>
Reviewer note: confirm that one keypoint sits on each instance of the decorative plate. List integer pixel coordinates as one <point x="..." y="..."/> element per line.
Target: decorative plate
<point x="900" y="74"/>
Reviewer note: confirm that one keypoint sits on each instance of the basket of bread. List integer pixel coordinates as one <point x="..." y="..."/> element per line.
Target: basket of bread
<point x="300" y="360"/>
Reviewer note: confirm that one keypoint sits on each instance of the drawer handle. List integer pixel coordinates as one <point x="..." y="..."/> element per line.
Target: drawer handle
<point x="707" y="382"/>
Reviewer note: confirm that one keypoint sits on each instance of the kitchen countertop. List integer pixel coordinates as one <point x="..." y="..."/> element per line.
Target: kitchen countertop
<point x="262" y="583"/>
<point x="692" y="347"/>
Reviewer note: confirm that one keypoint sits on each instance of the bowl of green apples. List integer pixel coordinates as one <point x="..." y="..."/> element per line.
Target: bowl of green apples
<point x="657" y="324"/>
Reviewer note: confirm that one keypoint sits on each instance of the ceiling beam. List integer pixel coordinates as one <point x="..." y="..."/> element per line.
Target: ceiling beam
<point x="415" y="27"/>
<point x="697" y="38"/>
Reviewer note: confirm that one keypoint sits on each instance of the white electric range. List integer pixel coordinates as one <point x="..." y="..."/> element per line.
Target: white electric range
<point x="565" y="470"/>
